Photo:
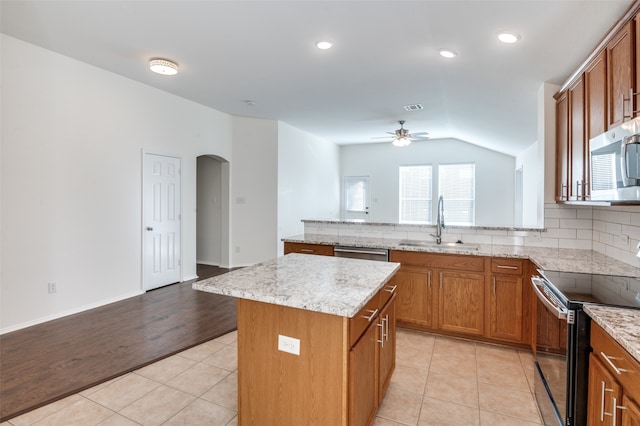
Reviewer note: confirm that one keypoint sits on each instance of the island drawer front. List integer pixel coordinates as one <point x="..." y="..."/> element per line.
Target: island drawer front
<point x="500" y="265"/>
<point x="629" y="368"/>
<point x="387" y="291"/>
<point x="305" y="248"/>
<point x="442" y="261"/>
<point x="358" y="324"/>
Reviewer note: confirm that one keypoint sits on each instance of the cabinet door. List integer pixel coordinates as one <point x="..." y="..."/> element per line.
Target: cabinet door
<point x="387" y="346"/>
<point x="578" y="151"/>
<point x="415" y="296"/>
<point x="603" y="391"/>
<point x="619" y="75"/>
<point x="595" y="82"/>
<point x="461" y="302"/>
<point x="363" y="374"/>
<point x="562" y="147"/>
<point x="506" y="308"/>
<point x="631" y="413"/>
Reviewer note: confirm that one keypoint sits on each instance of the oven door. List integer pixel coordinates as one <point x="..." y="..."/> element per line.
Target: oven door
<point x="550" y="383"/>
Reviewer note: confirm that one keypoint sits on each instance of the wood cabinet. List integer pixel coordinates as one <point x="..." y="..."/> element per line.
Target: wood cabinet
<point x="440" y="292"/>
<point x="614" y="382"/>
<point x="387" y="347"/>
<point x="305" y="248"/>
<point x="506" y="300"/>
<point x="562" y="147"/>
<point x="621" y="75"/>
<point x="595" y="82"/>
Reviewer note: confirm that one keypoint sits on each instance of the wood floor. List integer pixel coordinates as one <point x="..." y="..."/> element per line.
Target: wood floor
<point x="49" y="361"/>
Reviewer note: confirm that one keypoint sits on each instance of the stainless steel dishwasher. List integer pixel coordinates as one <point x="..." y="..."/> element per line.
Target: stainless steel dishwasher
<point x="381" y="255"/>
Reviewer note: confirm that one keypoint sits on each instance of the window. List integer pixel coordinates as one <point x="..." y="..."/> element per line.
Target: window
<point x="457" y="184"/>
<point x="356" y="198"/>
<point x="415" y="194"/>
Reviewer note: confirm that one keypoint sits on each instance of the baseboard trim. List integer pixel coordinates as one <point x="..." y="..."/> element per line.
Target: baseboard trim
<point x="69" y="312"/>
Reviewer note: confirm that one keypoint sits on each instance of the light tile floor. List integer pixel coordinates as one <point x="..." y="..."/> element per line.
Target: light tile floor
<point x="438" y="381"/>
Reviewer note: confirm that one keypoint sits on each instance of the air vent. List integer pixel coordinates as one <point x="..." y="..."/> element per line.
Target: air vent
<point x="414" y="107"/>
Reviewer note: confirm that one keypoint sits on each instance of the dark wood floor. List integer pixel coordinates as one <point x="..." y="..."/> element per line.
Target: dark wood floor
<point x="50" y="361"/>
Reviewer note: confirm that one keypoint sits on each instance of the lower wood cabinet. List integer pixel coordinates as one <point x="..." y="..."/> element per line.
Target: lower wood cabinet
<point x="461" y="302"/>
<point x="505" y="295"/>
<point x="415" y="300"/>
<point x="614" y="383"/>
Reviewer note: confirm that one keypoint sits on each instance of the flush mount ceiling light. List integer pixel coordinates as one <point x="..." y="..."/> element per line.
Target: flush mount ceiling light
<point x="324" y="45"/>
<point x="448" y="53"/>
<point x="508" y="37"/>
<point x="163" y="66"/>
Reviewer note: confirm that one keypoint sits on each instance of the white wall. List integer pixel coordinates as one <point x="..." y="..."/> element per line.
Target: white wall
<point x="308" y="180"/>
<point x="532" y="176"/>
<point x="209" y="209"/>
<point x="494" y="175"/>
<point x="72" y="142"/>
<point x="254" y="190"/>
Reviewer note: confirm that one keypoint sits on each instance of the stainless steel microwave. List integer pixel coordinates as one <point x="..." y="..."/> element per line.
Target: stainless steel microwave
<point x="615" y="163"/>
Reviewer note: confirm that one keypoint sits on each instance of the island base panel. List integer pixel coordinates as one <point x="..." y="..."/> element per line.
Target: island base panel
<point x="280" y="388"/>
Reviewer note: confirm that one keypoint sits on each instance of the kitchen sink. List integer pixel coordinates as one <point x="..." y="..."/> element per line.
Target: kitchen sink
<point x="433" y="244"/>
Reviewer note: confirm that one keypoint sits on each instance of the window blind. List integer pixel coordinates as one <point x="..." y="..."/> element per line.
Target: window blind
<point x="415" y="194"/>
<point x="457" y="184"/>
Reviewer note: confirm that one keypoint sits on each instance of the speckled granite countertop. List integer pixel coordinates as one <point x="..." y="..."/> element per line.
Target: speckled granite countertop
<point x="330" y="285"/>
<point x="563" y="260"/>
<point x="621" y="324"/>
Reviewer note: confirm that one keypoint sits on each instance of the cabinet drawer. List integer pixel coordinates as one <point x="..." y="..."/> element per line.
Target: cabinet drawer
<point x="507" y="266"/>
<point x="305" y="248"/>
<point x="603" y="343"/>
<point x="442" y="261"/>
<point x="368" y="314"/>
<point x="387" y="291"/>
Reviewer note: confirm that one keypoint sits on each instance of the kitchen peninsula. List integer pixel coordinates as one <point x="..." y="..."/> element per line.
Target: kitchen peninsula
<point x="316" y="338"/>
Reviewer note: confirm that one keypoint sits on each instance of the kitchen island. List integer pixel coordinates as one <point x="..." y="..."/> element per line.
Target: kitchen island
<point x="316" y="338"/>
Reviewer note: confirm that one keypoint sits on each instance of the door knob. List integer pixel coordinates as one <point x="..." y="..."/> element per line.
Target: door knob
<point x="149" y="228"/>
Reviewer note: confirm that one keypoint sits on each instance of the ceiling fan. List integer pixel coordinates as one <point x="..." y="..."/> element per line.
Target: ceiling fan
<point x="402" y="137"/>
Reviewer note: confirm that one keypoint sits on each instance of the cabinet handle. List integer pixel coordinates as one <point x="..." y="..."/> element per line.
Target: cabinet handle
<point x="494" y="285"/>
<point x="562" y="196"/>
<point x="506" y="267"/>
<point x="616" y="407"/>
<point x="386" y="319"/>
<point x="608" y="359"/>
<point x="441" y="279"/>
<point x="602" y="401"/>
<point x="370" y="317"/>
<point x="429" y="279"/>
<point x="306" y="251"/>
<point x="381" y="325"/>
<point x="391" y="289"/>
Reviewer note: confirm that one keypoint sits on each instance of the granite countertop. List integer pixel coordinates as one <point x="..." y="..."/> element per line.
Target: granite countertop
<point x="326" y="284"/>
<point x="620" y="323"/>
<point x="551" y="259"/>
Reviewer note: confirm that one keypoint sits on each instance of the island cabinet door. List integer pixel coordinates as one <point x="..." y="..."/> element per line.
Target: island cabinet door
<point x="386" y="346"/>
<point x="363" y="375"/>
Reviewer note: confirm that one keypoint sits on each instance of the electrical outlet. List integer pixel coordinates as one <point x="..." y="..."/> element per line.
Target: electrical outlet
<point x="53" y="287"/>
<point x="288" y="344"/>
<point x="624" y="239"/>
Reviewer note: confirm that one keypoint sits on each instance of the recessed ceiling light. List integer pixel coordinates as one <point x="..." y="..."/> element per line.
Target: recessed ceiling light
<point x="324" y="45"/>
<point x="448" y="53"/>
<point x="508" y="37"/>
<point x="163" y="66"/>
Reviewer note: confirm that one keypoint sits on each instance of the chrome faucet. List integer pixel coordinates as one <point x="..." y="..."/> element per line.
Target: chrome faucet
<point x="439" y="221"/>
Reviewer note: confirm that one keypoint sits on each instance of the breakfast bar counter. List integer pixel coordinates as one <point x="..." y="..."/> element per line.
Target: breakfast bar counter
<point x="316" y="338"/>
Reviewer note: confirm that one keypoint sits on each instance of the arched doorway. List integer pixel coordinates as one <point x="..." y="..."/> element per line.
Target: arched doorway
<point x="212" y="207"/>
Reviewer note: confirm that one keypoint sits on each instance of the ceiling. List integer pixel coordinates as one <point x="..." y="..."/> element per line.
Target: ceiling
<point x="385" y="56"/>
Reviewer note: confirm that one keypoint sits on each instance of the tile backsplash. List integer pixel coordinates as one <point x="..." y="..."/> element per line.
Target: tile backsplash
<point x="613" y="231"/>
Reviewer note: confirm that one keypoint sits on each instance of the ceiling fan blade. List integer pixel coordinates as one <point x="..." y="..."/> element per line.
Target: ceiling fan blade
<point x="419" y="134"/>
<point x="383" y="137"/>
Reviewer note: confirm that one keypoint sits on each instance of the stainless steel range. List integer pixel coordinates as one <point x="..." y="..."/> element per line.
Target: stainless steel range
<point x="562" y="338"/>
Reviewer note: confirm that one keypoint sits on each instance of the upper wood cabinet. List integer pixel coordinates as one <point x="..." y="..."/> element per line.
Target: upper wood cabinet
<point x="595" y="90"/>
<point x="621" y="75"/>
<point x="578" y="146"/>
<point x="562" y="147"/>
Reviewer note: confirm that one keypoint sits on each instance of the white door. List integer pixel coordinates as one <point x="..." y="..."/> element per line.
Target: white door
<point x="161" y="221"/>
<point x="355" y="204"/>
